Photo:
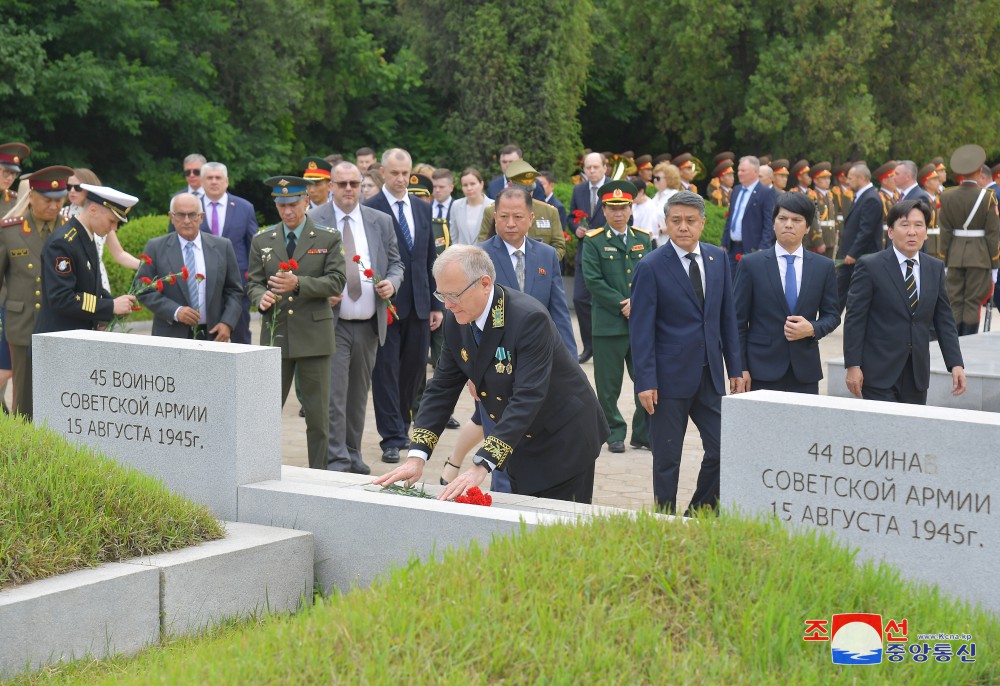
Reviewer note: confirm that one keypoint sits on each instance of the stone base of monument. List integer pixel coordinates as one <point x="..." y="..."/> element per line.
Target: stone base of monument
<point x="361" y="533"/>
<point x="981" y="354"/>
<point x="120" y="608"/>
<point x="254" y="569"/>
<point x="113" y="609"/>
<point x="904" y="484"/>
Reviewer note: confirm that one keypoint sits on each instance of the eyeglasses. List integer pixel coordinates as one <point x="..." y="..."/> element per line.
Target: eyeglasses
<point x="657" y="178"/>
<point x="345" y="184"/>
<point x="185" y="216"/>
<point x="192" y="172"/>
<point x="74" y="187"/>
<point x="453" y="299"/>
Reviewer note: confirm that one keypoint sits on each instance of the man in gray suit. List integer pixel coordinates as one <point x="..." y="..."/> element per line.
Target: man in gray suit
<point x="214" y="304"/>
<point x="360" y="311"/>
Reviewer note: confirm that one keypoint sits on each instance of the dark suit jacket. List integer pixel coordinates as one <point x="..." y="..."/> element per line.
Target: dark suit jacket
<point x="381" y="245"/>
<point x="918" y="193"/>
<point x="758" y="219"/>
<point x="223" y="284"/>
<point x="542" y="406"/>
<point x="542" y="280"/>
<point x="72" y="295"/>
<point x="560" y="208"/>
<point x="240" y="227"/>
<point x="580" y="200"/>
<point x="880" y="334"/>
<point x="761" y="310"/>
<point x="675" y="331"/>
<point x="497" y="184"/>
<point x="862" y="226"/>
<point x="415" y="294"/>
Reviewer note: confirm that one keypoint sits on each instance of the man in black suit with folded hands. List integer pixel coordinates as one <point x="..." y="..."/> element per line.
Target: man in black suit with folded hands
<point x="549" y="427"/>
<point x="786" y="300"/>
<point x="896" y="296"/>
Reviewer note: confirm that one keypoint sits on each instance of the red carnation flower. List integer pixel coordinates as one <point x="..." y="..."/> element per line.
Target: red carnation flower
<point x="200" y="277"/>
<point x="293" y="265"/>
<point x="357" y="258"/>
<point x="388" y="317"/>
<point x="369" y="273"/>
<point x="739" y="256"/>
<point x="172" y="280"/>
<point x="282" y="266"/>
<point x="137" y="308"/>
<point x="184" y="273"/>
<point x="159" y="285"/>
<point x="146" y="280"/>
<point x="146" y="258"/>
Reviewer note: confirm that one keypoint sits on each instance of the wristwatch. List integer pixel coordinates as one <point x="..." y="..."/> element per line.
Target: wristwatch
<point x="480" y="460"/>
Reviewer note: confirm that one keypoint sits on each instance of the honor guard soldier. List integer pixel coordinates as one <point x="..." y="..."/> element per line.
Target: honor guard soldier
<point x="420" y="186"/>
<point x="22" y="238"/>
<point x="547" y="228"/>
<point x="780" y="169"/>
<point x="970" y="239"/>
<point x="610" y="255"/>
<point x="11" y="157"/>
<point x="685" y="162"/>
<point x="716" y="182"/>
<point x="802" y="181"/>
<point x="317" y="170"/>
<point x="722" y="180"/>
<point x="843" y="196"/>
<point x="826" y="207"/>
<point x="294" y="299"/>
<point x="928" y="179"/>
<point x="884" y="176"/>
<point x="644" y="170"/>
<point x="942" y="171"/>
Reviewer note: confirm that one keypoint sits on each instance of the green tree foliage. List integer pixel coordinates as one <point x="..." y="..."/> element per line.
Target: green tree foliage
<point x="506" y="72"/>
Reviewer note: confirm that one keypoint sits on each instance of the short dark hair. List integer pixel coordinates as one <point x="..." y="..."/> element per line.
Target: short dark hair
<point x="508" y="149"/>
<point x="548" y="176"/>
<point x="799" y="203"/>
<point x="442" y="173"/>
<point x="364" y="151"/>
<point x="515" y="191"/>
<point x="904" y="207"/>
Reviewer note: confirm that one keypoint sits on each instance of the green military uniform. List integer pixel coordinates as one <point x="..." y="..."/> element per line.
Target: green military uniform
<point x="926" y="177"/>
<point x="843" y="198"/>
<point x="826" y="209"/>
<point x="11" y="157"/>
<point x="305" y="331"/>
<point x="800" y="177"/>
<point x="970" y="239"/>
<point x="8" y="199"/>
<point x="720" y="192"/>
<point x="609" y="259"/>
<point x="547" y="226"/>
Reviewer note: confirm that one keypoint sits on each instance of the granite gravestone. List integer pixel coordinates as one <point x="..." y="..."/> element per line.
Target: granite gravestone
<point x="204" y="417"/>
<point x="910" y="485"/>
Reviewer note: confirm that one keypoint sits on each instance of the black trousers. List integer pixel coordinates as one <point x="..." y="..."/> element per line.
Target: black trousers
<point x="788" y="383"/>
<point x="400" y="365"/>
<point x="578" y="489"/>
<point x="903" y="391"/>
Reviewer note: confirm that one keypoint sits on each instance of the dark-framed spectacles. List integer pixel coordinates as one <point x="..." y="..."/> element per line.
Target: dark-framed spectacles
<point x="185" y="216"/>
<point x="657" y="178"/>
<point x="192" y="172"/>
<point x="345" y="184"/>
<point x="454" y="299"/>
<point x="74" y="187"/>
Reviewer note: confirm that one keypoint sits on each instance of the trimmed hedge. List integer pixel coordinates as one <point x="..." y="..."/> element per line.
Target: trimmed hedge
<point x="133" y="237"/>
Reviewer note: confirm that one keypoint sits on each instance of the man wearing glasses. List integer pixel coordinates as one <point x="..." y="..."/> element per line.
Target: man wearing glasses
<point x="192" y="174"/>
<point x="360" y="311"/>
<point x="548" y="427"/>
<point x="206" y="309"/>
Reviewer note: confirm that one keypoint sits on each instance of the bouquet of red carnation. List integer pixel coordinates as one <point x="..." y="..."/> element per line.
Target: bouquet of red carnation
<point x="580" y="219"/>
<point x="474" y="496"/>
<point x="144" y="285"/>
<point x="272" y="324"/>
<point x="374" y="278"/>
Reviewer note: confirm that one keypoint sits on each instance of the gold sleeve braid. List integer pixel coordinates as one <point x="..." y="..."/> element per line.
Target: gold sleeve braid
<point x="497" y="449"/>
<point x="426" y="437"/>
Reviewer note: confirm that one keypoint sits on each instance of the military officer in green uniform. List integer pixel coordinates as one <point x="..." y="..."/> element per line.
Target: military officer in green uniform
<point x="722" y="182"/>
<point x="11" y="157"/>
<point x="803" y="180"/>
<point x="610" y="254"/>
<point x="843" y="197"/>
<point x="928" y="179"/>
<point x="970" y="239"/>
<point x="548" y="226"/>
<point x="296" y="302"/>
<point x="22" y="238"/>
<point x="826" y="207"/>
<point x="420" y="186"/>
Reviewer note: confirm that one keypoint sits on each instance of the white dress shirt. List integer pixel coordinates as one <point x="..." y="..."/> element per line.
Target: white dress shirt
<point x="407" y="210"/>
<point x="364" y="307"/>
<point x="780" y="253"/>
<point x="199" y="263"/>
<point x="901" y="258"/>
<point x="223" y="203"/>
<point x="445" y="206"/>
<point x="686" y="263"/>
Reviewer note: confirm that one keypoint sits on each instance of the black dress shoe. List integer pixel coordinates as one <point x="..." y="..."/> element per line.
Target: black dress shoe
<point x="616" y="446"/>
<point x="302" y="412"/>
<point x="585" y="355"/>
<point x="639" y="445"/>
<point x="390" y="455"/>
<point x="453" y="423"/>
<point x="363" y="468"/>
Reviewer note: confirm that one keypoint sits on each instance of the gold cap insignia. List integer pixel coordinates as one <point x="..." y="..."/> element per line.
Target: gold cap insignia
<point x="312" y="165"/>
<point x="283" y="183"/>
<point x="17" y="160"/>
<point x="414" y="179"/>
<point x="55" y="184"/>
<point x="617" y="193"/>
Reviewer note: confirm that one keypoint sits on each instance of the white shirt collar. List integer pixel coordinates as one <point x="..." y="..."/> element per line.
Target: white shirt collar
<point x="355" y="215"/>
<point x="753" y="185"/>
<point x="858" y="194"/>
<point x="481" y="319"/>
<point x="901" y="258"/>
<point x="222" y="199"/>
<point x="681" y="252"/>
<point x="779" y="251"/>
<point x="393" y="199"/>
<point x="907" y="189"/>
<point x="511" y="248"/>
<point x="196" y="241"/>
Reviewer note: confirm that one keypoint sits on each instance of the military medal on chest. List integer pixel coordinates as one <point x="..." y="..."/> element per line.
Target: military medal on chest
<point x="504" y="361"/>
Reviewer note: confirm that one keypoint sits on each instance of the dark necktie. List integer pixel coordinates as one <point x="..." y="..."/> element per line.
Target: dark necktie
<point x="695" y="273"/>
<point x="440" y="211"/>
<point x="910" y="281"/>
<point x="476" y="333"/>
<point x="290" y="245"/>
<point x="405" y="226"/>
<point x="791" y="291"/>
<point x="519" y="269"/>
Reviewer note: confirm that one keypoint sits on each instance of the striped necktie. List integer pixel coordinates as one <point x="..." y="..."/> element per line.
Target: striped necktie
<point x="910" y="281"/>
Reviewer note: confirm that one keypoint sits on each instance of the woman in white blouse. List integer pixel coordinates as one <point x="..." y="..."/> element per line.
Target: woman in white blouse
<point x="667" y="179"/>
<point x="467" y="212"/>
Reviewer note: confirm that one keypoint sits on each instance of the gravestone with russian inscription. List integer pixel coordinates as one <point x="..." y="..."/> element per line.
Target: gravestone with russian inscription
<point x="913" y="486"/>
<point x="204" y="417"/>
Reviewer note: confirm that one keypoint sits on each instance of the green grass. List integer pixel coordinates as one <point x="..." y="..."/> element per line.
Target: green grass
<point x="614" y="601"/>
<point x="63" y="508"/>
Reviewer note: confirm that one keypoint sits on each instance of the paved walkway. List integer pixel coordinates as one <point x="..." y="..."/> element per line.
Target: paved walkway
<point x="622" y="480"/>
